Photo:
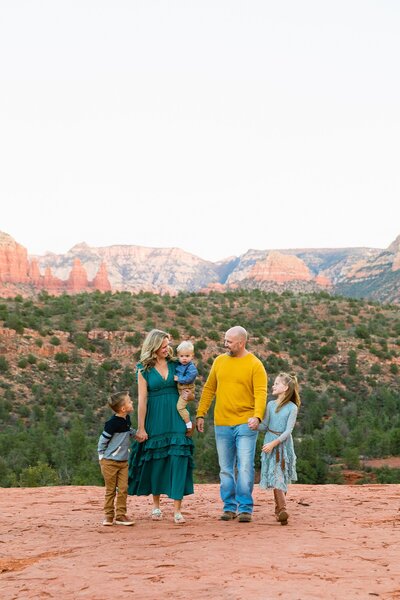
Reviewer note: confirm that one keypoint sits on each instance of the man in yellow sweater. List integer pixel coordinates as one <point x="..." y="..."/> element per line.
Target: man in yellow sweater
<point x="238" y="381"/>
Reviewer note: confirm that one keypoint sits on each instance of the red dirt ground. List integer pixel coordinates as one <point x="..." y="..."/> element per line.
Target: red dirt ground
<point x="342" y="542"/>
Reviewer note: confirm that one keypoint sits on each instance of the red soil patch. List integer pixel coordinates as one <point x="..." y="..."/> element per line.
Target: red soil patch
<point x="341" y="542"/>
<point x="393" y="462"/>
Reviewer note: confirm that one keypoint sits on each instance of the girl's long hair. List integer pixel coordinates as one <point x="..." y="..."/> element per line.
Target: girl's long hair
<point x="292" y="393"/>
<point x="151" y="345"/>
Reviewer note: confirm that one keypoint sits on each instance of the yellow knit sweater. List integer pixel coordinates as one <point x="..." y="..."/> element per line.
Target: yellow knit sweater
<point x="240" y="389"/>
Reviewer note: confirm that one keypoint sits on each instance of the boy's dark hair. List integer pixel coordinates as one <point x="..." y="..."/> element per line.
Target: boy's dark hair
<point x="116" y="400"/>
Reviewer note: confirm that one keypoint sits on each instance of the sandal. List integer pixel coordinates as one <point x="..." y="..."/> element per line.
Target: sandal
<point x="179" y="519"/>
<point x="156" y="514"/>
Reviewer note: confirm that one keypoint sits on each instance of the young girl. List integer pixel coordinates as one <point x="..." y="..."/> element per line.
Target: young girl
<point x="278" y="460"/>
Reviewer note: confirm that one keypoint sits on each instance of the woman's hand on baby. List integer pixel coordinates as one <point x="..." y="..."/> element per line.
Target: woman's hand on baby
<point x="187" y="395"/>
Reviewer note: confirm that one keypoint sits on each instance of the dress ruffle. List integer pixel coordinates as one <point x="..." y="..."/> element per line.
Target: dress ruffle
<point x="163" y="451"/>
<point x="161" y="447"/>
<point x="277" y="471"/>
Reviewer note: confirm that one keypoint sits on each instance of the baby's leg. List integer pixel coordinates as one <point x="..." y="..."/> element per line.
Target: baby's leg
<point x="182" y="410"/>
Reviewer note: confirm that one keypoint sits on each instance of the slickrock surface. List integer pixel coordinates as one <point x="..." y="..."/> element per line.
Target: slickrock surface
<point x="341" y="542"/>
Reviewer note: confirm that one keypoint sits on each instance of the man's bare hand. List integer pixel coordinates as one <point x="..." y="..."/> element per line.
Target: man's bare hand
<point x="253" y="423"/>
<point x="200" y="424"/>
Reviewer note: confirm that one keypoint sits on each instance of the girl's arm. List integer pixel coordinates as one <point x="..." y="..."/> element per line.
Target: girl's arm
<point x="267" y="448"/>
<point x="289" y="424"/>
<point x="263" y="426"/>
<point x="141" y="434"/>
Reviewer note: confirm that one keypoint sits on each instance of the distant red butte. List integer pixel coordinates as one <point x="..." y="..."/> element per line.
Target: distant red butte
<point x="19" y="275"/>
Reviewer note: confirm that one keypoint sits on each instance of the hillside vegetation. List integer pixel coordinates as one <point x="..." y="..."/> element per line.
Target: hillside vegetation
<point x="60" y="357"/>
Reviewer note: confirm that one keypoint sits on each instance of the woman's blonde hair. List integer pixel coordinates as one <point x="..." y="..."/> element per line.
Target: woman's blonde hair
<point x="292" y="393"/>
<point x="151" y="345"/>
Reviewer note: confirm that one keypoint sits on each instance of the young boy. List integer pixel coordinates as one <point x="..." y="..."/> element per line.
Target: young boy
<point x="185" y="374"/>
<point x="113" y="449"/>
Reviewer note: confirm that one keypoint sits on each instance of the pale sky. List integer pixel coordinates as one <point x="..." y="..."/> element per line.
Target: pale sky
<point x="211" y="125"/>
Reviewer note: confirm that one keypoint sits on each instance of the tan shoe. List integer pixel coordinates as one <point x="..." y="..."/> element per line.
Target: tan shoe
<point x="108" y="521"/>
<point x="124" y="521"/>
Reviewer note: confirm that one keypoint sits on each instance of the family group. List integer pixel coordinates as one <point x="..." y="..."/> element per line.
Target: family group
<point x="157" y="458"/>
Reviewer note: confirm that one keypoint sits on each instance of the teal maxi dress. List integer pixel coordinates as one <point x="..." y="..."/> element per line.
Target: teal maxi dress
<point x="163" y="464"/>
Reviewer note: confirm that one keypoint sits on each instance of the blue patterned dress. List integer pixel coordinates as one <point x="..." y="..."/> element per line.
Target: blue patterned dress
<point x="278" y="468"/>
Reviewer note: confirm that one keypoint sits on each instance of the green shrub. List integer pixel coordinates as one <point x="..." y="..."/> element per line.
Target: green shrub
<point x="4" y="366"/>
<point x="38" y="475"/>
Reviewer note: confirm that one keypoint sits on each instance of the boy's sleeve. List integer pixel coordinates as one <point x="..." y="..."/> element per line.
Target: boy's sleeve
<point x="104" y="439"/>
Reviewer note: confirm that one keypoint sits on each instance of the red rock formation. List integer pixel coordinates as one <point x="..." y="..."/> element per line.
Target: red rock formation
<point x="323" y="280"/>
<point x="14" y="264"/>
<point x="213" y="287"/>
<point x="101" y="281"/>
<point x="78" y="279"/>
<point x="52" y="284"/>
<point x="280" y="268"/>
<point x="34" y="273"/>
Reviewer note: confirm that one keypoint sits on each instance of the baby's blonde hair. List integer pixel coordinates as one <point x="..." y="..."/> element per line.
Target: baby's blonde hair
<point x="185" y="345"/>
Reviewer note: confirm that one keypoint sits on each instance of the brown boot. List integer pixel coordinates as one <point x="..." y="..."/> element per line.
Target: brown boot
<point x="280" y="507"/>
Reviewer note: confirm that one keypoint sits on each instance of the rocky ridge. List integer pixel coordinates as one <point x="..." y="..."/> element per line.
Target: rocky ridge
<point x="21" y="275"/>
<point x="359" y="272"/>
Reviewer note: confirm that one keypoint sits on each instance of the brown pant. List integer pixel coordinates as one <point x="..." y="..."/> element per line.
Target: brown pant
<point x="181" y="404"/>
<point x="280" y="501"/>
<point x="115" y="473"/>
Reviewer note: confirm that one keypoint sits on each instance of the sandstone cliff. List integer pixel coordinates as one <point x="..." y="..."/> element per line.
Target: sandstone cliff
<point x="18" y="275"/>
<point x="136" y="268"/>
<point x="359" y="272"/>
<point x="14" y="264"/>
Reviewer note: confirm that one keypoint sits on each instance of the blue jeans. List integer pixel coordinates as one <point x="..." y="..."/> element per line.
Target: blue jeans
<point x="236" y="447"/>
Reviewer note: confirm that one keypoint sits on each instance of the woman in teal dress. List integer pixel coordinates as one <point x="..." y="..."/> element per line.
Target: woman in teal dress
<point x="161" y="460"/>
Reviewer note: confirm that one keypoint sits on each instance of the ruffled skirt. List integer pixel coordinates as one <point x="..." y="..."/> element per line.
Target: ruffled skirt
<point x="163" y="464"/>
<point x="278" y="468"/>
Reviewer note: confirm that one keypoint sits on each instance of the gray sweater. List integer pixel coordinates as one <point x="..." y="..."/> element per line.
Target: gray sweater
<point x="115" y="440"/>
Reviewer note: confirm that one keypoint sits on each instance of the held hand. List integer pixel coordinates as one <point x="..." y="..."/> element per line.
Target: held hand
<point x="175" y="377"/>
<point x="253" y="423"/>
<point x="267" y="448"/>
<point x="200" y="424"/>
<point x="141" y="435"/>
